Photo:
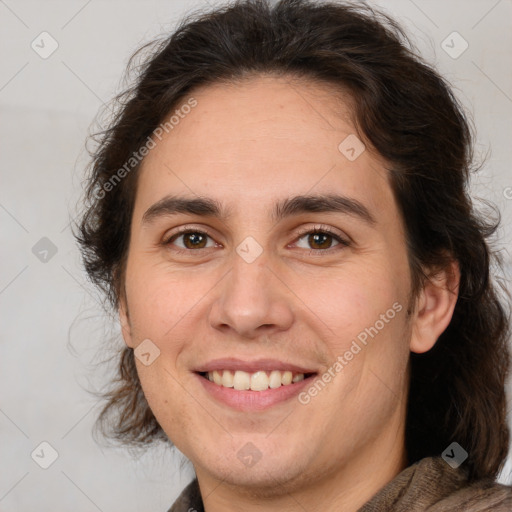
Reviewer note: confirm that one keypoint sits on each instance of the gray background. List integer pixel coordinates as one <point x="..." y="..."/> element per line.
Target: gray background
<point x="52" y="322"/>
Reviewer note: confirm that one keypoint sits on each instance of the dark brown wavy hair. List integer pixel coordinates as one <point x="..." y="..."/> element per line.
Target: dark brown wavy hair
<point x="408" y="114"/>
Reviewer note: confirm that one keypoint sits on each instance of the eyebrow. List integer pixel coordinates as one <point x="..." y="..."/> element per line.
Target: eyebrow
<point x="208" y="207"/>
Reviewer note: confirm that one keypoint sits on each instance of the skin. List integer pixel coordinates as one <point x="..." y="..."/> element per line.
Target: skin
<point x="248" y="145"/>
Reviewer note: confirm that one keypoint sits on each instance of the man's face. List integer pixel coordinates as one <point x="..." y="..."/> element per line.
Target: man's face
<point x="254" y="291"/>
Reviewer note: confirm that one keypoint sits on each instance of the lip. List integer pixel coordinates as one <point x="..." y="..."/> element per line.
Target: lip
<point x="232" y="363"/>
<point x="252" y="401"/>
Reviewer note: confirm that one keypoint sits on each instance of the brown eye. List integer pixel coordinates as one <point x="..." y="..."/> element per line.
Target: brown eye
<point x="190" y="240"/>
<point x="320" y="240"/>
<point x="194" y="240"/>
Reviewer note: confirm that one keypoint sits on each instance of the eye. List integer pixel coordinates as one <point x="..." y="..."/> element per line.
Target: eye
<point x="191" y="239"/>
<point x="321" y="239"/>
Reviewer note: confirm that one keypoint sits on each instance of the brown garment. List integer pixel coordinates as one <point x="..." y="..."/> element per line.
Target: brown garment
<point x="428" y="485"/>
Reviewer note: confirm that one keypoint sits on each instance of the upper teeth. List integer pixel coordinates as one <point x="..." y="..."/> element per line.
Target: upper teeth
<point x="257" y="381"/>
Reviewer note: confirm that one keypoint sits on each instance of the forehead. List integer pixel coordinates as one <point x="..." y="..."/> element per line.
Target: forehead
<point x="261" y="138"/>
<point x="241" y="116"/>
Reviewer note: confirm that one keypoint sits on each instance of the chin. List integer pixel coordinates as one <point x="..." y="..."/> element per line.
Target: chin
<point x="265" y="481"/>
<point x="264" y="472"/>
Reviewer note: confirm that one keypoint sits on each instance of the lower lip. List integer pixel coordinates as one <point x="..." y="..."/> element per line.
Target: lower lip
<point x="249" y="400"/>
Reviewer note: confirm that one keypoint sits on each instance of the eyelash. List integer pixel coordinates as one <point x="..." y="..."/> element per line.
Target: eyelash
<point x="316" y="230"/>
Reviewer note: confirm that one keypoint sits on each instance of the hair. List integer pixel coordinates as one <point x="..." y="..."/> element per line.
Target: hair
<point x="406" y="112"/>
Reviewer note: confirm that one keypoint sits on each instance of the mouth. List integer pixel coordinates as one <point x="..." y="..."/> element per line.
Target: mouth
<point x="252" y="386"/>
<point x="260" y="380"/>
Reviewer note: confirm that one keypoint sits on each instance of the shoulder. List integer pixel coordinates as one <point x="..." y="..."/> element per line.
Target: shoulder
<point x="480" y="496"/>
<point x="430" y="485"/>
<point x="461" y="495"/>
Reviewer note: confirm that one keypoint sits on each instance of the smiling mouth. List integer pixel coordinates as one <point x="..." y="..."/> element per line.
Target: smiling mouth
<point x="255" y="381"/>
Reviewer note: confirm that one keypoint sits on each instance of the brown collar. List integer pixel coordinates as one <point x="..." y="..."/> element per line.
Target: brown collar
<point x="429" y="484"/>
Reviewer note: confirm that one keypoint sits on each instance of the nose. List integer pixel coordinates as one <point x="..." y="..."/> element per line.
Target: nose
<point x="252" y="302"/>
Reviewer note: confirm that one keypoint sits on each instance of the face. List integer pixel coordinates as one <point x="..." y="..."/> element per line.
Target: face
<point x="293" y="267"/>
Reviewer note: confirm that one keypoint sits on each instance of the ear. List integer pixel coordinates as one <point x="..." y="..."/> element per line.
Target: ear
<point x="124" y="319"/>
<point x="435" y="306"/>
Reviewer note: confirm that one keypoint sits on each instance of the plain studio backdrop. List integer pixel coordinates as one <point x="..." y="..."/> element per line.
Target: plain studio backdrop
<point x="52" y="322"/>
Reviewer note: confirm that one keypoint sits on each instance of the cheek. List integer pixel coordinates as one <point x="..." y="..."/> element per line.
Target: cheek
<point x="352" y="300"/>
<point x="160" y="299"/>
<point x="168" y="400"/>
